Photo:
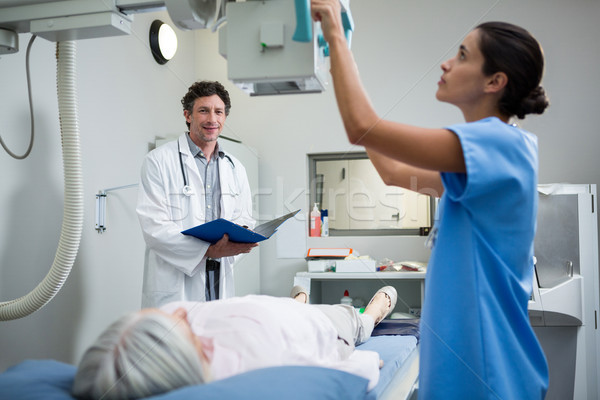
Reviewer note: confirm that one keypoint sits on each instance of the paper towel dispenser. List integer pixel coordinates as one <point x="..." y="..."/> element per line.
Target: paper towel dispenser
<point x="262" y="56"/>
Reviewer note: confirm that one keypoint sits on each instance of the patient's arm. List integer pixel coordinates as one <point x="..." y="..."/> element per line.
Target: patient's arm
<point x="397" y="173"/>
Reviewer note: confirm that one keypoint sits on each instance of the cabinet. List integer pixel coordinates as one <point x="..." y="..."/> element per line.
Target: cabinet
<point x="566" y="293"/>
<point x="329" y="287"/>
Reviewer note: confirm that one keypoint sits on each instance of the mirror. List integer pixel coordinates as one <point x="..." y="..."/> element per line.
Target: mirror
<point x="359" y="203"/>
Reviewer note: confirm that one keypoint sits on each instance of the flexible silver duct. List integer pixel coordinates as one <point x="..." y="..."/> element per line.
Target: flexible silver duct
<point x="72" y="225"/>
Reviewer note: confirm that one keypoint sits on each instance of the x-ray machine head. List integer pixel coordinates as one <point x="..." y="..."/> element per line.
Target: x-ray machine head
<point x="272" y="47"/>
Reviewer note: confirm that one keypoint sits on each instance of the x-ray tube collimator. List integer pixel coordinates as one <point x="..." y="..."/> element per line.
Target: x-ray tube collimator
<point x="262" y="57"/>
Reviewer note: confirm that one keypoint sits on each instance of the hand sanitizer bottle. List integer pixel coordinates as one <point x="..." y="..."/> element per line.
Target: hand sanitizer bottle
<point x="315" y="221"/>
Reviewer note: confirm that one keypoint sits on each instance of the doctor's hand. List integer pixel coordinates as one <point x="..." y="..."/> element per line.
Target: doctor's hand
<point x="225" y="248"/>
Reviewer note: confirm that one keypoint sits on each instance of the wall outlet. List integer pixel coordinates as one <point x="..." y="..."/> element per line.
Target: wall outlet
<point x="415" y="311"/>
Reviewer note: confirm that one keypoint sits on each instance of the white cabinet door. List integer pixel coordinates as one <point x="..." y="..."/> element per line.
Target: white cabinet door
<point x="357" y="198"/>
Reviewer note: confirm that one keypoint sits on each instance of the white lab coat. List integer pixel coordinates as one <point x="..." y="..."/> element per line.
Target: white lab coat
<point x="174" y="268"/>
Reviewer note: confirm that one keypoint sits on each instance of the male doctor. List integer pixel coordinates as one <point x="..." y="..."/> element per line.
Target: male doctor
<point x="185" y="183"/>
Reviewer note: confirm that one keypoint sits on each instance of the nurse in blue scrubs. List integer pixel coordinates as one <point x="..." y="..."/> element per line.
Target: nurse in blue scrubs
<point x="476" y="339"/>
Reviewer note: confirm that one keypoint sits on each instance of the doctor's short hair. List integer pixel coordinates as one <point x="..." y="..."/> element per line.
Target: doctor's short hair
<point x="205" y="89"/>
<point x="139" y="355"/>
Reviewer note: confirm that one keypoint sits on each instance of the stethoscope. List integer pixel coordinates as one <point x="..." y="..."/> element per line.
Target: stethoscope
<point x="187" y="189"/>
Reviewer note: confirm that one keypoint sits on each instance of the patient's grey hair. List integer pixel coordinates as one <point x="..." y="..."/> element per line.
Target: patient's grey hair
<point x="139" y="355"/>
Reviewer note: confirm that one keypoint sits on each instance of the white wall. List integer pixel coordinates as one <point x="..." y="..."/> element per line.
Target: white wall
<point x="126" y="99"/>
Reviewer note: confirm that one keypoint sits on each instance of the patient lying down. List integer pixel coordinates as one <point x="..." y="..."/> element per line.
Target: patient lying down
<point x="186" y="343"/>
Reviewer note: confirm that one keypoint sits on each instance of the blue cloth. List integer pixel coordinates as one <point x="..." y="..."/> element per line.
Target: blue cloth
<point x="397" y="327"/>
<point x="476" y="339"/>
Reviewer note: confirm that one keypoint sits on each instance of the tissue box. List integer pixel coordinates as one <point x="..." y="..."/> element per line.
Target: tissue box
<point x="358" y="265"/>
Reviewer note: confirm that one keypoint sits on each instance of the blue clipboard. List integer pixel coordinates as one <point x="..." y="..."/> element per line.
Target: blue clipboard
<point x="214" y="230"/>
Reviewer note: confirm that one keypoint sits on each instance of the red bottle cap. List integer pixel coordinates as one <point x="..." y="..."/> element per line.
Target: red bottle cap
<point x="346" y="294"/>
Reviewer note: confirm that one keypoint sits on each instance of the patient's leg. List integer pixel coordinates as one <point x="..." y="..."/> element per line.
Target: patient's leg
<point x="354" y="327"/>
<point x="351" y="326"/>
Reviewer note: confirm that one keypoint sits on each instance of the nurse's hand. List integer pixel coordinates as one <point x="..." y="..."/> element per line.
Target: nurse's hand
<point x="225" y="248"/>
<point x="328" y="12"/>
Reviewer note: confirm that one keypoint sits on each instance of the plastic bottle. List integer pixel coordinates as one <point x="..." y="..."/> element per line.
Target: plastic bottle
<point x="315" y="222"/>
<point x="346" y="299"/>
<point x="324" y="223"/>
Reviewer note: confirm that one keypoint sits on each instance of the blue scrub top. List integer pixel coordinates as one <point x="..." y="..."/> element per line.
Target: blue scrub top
<point x="476" y="338"/>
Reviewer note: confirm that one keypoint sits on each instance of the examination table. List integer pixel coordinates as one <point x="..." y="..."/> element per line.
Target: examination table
<point x="395" y="341"/>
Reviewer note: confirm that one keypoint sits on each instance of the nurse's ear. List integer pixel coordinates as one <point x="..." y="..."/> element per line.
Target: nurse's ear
<point x="496" y="82"/>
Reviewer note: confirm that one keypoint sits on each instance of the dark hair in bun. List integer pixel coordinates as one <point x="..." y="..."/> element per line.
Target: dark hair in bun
<point x="511" y="49"/>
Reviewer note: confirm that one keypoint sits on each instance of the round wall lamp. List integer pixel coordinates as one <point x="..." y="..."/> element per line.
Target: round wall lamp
<point x="163" y="41"/>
